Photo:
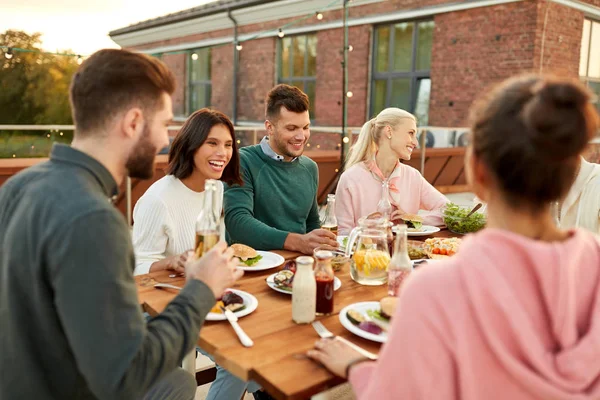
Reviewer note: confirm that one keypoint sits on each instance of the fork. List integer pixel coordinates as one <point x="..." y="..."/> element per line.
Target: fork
<point x="326" y="334"/>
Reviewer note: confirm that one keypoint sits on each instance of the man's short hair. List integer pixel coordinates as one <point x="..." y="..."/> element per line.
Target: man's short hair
<point x="292" y="98"/>
<point x="111" y="81"/>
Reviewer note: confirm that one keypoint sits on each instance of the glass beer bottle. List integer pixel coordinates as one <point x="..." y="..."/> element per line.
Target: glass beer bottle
<point x="207" y="224"/>
<point x="330" y="221"/>
<point x="400" y="265"/>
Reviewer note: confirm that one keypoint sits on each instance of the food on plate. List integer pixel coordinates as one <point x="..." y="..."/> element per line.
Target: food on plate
<point x="246" y="254"/>
<point x="413" y="222"/>
<point x="415" y="250"/>
<point x="232" y="298"/>
<point x="388" y="306"/>
<point x="441" y="246"/>
<point x="454" y="218"/>
<point x="284" y="280"/>
<point x="355" y="317"/>
<point x="231" y="301"/>
<point x="371" y="327"/>
<point x="290" y="266"/>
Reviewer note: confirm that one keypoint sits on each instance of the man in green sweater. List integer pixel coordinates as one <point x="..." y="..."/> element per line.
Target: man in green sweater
<point x="276" y="207"/>
<point x="72" y="327"/>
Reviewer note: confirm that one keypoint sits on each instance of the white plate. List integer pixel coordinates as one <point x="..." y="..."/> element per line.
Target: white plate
<point x="361" y="308"/>
<point x="249" y="301"/>
<point x="425" y="230"/>
<point x="271" y="282"/>
<point x="269" y="260"/>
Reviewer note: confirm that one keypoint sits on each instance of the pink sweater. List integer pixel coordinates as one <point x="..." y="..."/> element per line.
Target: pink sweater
<point x="506" y="318"/>
<point x="358" y="193"/>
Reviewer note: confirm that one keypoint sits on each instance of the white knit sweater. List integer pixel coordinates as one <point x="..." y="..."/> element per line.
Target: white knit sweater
<point x="581" y="207"/>
<point x="165" y="221"/>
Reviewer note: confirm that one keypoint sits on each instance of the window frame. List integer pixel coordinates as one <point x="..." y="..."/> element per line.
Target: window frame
<point x="305" y="78"/>
<point x="192" y="84"/>
<point x="389" y="76"/>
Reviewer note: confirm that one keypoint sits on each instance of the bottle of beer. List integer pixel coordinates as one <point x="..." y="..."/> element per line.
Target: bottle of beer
<point x="208" y="222"/>
<point x="330" y="221"/>
<point x="400" y="265"/>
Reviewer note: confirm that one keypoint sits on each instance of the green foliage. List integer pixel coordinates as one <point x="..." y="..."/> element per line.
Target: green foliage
<point x="34" y="89"/>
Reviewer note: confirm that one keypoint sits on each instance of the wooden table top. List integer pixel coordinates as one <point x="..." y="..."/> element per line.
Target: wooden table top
<point x="276" y="361"/>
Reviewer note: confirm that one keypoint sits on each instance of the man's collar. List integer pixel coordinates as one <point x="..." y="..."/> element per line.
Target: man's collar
<point x="67" y="154"/>
<point x="269" y="152"/>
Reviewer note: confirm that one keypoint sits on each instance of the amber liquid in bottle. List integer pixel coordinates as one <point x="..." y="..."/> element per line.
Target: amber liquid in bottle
<point x="205" y="241"/>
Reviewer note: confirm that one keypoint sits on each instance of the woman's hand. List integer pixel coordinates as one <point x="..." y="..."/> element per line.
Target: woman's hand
<point x="335" y="356"/>
<point x="177" y="263"/>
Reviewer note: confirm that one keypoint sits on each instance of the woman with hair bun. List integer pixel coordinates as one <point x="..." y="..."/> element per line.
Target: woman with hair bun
<point x="516" y="313"/>
<point x="373" y="160"/>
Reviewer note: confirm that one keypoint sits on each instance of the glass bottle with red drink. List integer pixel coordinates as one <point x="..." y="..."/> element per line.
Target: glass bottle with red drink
<point x="400" y="265"/>
<point x="324" y="278"/>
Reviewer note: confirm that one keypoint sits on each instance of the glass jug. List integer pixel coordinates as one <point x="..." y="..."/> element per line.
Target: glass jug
<point x="369" y="263"/>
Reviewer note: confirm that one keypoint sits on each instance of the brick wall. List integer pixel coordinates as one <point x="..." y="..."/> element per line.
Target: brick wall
<point x="256" y="77"/>
<point x="177" y="64"/>
<point x="558" y="39"/>
<point x="222" y="78"/>
<point x="472" y="50"/>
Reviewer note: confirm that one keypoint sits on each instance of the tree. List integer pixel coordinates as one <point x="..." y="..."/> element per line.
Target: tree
<point x="34" y="87"/>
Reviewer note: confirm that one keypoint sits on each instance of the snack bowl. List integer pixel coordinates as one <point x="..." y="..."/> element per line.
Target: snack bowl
<point x="456" y="220"/>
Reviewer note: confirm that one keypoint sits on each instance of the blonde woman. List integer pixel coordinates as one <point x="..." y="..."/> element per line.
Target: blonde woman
<point x="375" y="159"/>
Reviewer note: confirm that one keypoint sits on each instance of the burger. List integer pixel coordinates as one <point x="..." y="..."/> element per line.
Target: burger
<point x="246" y="254"/>
<point x="414" y="222"/>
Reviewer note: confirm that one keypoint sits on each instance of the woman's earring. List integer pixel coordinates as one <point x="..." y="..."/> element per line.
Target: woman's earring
<point x="390" y="137"/>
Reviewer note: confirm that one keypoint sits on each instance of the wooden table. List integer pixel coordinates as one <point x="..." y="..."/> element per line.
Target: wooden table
<point x="276" y="361"/>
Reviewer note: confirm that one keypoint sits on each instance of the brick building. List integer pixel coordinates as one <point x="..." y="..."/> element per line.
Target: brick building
<point x="432" y="57"/>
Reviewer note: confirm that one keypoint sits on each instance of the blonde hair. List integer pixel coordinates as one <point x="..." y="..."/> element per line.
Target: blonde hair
<point x="366" y="145"/>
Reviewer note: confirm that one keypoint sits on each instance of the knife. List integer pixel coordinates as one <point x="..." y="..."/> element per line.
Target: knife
<point x="167" y="285"/>
<point x="244" y="338"/>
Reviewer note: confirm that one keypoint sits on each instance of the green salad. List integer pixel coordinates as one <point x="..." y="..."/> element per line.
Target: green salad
<point x="454" y="218"/>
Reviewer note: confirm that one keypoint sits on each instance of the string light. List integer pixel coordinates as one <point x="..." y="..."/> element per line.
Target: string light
<point x="281" y="34"/>
<point x="79" y="60"/>
<point x="238" y="46"/>
<point x="307" y="144"/>
<point x="319" y="16"/>
<point x="349" y="94"/>
<point x="9" y="53"/>
<point x="238" y="141"/>
<point x="350" y="48"/>
<point x="194" y="56"/>
<point x="345" y="140"/>
<point x="61" y="134"/>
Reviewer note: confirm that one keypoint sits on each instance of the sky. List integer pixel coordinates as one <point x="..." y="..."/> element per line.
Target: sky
<point x="82" y="25"/>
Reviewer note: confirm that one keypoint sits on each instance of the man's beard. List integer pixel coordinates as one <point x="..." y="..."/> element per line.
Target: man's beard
<point x="140" y="163"/>
<point x="280" y="146"/>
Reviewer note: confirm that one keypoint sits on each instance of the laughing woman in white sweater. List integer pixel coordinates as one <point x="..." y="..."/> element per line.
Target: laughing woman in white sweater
<point x="165" y="216"/>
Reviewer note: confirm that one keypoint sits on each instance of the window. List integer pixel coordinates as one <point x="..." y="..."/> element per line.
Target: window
<point x="199" y="84"/>
<point x="401" y="68"/>
<point x="298" y="65"/>
<point x="589" y="60"/>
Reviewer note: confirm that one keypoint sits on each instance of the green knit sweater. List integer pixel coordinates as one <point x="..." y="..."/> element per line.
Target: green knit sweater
<point x="277" y="198"/>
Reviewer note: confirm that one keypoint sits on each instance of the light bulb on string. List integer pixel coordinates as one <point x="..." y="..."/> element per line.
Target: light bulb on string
<point x="349" y="94"/>
<point x="9" y="53"/>
<point x="79" y="60"/>
<point x="281" y="34"/>
<point x="319" y="16"/>
<point x="350" y="48"/>
<point x="194" y="56"/>
<point x="238" y="46"/>
<point x="345" y="140"/>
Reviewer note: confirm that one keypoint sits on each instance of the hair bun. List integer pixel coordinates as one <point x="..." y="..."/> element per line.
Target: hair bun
<point x="557" y="120"/>
<point x="561" y="94"/>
